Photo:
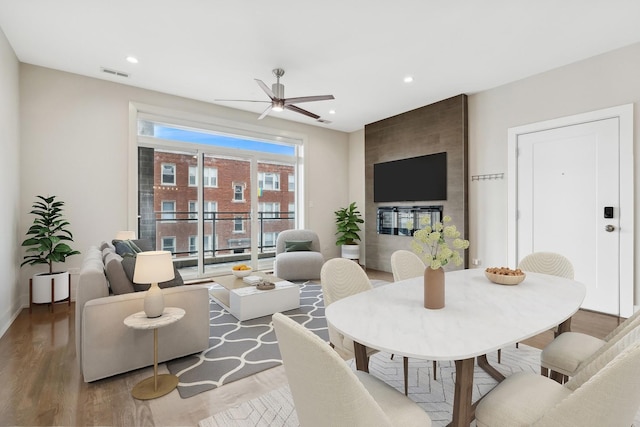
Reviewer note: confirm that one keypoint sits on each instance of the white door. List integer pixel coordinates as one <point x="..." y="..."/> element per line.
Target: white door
<point x="567" y="178"/>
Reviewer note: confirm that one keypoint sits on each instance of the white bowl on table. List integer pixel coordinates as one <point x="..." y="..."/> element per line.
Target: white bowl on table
<point x="242" y="273"/>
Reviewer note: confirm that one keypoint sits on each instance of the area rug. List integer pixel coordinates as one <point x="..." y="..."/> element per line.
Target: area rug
<point x="276" y="408"/>
<point x="240" y="349"/>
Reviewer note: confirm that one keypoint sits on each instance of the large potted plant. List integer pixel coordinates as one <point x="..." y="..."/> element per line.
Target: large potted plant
<point x="347" y="220"/>
<point x="46" y="242"/>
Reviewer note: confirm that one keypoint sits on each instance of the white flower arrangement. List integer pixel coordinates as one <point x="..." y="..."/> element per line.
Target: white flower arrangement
<point x="430" y="243"/>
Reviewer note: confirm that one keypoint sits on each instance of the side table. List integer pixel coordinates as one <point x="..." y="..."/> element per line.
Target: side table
<point x="157" y="385"/>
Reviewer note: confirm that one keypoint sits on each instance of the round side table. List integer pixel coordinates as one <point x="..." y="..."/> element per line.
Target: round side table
<point x="157" y="385"/>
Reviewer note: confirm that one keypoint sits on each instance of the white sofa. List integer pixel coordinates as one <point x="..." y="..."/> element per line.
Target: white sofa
<point x="106" y="347"/>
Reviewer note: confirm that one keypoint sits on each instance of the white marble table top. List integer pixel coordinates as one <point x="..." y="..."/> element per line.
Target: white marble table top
<point x="140" y="320"/>
<point x="478" y="318"/>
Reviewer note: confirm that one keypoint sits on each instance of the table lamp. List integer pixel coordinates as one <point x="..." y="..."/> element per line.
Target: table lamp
<point x="125" y="235"/>
<point x="153" y="267"/>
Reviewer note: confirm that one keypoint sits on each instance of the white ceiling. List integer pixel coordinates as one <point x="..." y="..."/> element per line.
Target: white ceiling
<point x="357" y="50"/>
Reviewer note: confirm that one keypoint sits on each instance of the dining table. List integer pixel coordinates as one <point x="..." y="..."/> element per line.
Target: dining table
<point x="478" y="317"/>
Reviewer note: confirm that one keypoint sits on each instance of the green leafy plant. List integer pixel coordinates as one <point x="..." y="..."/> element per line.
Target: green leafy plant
<point x="432" y="243"/>
<point x="347" y="220"/>
<point x="48" y="234"/>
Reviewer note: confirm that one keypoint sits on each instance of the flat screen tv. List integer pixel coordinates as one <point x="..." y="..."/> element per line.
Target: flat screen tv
<point x="415" y="179"/>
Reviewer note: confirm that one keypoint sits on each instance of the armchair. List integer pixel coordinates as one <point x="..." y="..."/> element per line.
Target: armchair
<point x="298" y="255"/>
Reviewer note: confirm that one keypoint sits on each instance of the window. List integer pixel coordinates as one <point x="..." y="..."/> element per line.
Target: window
<point x="168" y="174"/>
<point x="269" y="181"/>
<point x="238" y="224"/>
<point x="269" y="240"/>
<point x="210" y="177"/>
<point x="193" y="210"/>
<point x="193" y="245"/>
<point x="210" y="209"/>
<point x="292" y="182"/>
<point x="238" y="192"/>
<point x="270" y="210"/>
<point x="193" y="176"/>
<point x="169" y="244"/>
<point x="168" y="210"/>
<point x="292" y="209"/>
<point x="208" y="243"/>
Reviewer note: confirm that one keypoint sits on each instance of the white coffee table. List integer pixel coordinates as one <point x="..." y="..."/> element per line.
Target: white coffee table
<point x="246" y="302"/>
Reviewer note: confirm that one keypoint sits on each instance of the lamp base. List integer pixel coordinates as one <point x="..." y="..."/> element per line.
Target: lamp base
<point x="154" y="301"/>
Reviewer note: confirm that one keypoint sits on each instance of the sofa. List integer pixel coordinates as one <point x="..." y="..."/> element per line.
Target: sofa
<point x="104" y="345"/>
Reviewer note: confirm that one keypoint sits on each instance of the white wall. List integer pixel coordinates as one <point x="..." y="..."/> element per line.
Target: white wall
<point x="10" y="254"/>
<point x="604" y="81"/>
<point x="75" y="136"/>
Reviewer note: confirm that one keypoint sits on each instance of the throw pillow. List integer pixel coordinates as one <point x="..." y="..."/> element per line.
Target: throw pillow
<point x="144" y="245"/>
<point x="126" y="247"/>
<point x="129" y="266"/>
<point x="297" y="245"/>
<point x="118" y="280"/>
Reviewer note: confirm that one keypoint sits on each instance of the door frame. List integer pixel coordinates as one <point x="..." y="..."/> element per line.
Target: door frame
<point x="624" y="114"/>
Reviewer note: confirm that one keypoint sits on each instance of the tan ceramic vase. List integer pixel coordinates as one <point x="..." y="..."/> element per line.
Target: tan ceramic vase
<point x="433" y="288"/>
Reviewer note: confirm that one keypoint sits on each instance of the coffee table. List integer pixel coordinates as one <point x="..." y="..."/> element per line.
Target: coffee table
<point x="246" y="302"/>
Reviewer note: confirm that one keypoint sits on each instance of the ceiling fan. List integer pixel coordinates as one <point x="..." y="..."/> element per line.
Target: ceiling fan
<point x="279" y="102"/>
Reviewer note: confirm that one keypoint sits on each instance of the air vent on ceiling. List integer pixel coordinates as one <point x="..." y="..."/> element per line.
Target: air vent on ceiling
<point x="323" y="121"/>
<point x="114" y="72"/>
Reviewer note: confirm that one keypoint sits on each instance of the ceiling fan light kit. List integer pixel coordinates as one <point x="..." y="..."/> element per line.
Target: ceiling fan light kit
<point x="279" y="102"/>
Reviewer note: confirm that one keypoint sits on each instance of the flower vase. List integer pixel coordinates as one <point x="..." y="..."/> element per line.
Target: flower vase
<point x="433" y="288"/>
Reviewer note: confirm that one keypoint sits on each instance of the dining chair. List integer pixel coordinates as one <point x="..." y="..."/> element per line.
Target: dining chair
<point x="546" y="263"/>
<point x="406" y="265"/>
<point x="569" y="352"/>
<point x="605" y="393"/>
<point x="340" y="278"/>
<point x="327" y="392"/>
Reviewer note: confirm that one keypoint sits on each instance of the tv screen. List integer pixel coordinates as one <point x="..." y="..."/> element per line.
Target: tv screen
<point x="415" y="179"/>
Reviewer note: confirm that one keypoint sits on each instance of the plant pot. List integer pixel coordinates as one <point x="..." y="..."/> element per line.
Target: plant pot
<point x="41" y="287"/>
<point x="351" y="251"/>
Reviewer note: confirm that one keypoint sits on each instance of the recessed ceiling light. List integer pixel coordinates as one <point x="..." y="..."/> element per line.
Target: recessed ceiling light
<point x="332" y="111"/>
<point x="408" y="79"/>
<point x="132" y="59"/>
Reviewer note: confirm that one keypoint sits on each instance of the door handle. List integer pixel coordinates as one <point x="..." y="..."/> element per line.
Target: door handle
<point x="609" y="228"/>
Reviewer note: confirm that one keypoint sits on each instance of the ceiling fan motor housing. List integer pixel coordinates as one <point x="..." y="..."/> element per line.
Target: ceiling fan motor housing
<point x="278" y="90"/>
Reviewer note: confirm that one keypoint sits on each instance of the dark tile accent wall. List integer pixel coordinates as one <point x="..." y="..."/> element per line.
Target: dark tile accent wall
<point x="427" y="130"/>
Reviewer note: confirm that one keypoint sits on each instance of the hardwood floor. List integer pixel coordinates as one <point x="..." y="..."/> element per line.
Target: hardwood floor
<point x="42" y="385"/>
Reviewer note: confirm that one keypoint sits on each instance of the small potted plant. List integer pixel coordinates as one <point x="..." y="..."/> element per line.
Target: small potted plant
<point x="347" y="220"/>
<point x="46" y="240"/>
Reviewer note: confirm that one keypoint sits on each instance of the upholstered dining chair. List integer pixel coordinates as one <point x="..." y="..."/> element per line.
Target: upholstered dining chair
<point x="327" y="392"/>
<point x="406" y="265"/>
<point x="298" y="255"/>
<point x="605" y="393"/>
<point x="571" y="351"/>
<point x="546" y="263"/>
<point x="340" y="278"/>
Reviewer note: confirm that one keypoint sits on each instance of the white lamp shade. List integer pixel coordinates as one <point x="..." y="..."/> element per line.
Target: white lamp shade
<point x="153" y="267"/>
<point x="125" y="235"/>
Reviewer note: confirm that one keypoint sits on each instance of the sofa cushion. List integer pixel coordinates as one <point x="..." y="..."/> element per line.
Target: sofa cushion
<point x="297" y="245"/>
<point x="124" y="247"/>
<point x="118" y="280"/>
<point x="129" y="266"/>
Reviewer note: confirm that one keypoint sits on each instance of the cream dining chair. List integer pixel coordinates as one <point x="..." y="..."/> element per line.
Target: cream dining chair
<point x="340" y="278"/>
<point x="571" y="351"/>
<point x="406" y="265"/>
<point x="327" y="392"/>
<point x="606" y="392"/>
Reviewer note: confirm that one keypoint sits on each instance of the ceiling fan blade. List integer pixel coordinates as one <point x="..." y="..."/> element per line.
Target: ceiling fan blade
<point x="300" y="99"/>
<point x="238" y="100"/>
<point x="265" y="112"/>
<point x="301" y="111"/>
<point x="265" y="88"/>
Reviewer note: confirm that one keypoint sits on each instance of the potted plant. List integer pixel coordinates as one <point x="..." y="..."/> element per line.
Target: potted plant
<point x="46" y="240"/>
<point x="347" y="220"/>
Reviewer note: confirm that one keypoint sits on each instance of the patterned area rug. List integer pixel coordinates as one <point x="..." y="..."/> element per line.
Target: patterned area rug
<point x="239" y="349"/>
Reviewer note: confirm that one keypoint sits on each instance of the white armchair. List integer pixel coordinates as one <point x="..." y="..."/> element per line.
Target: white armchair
<point x="298" y="255"/>
<point x="326" y="392"/>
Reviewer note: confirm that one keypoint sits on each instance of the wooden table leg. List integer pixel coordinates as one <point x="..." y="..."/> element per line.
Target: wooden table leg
<point x="493" y="372"/>
<point x="462" y="408"/>
<point x="362" y="361"/>
<point x="564" y="327"/>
